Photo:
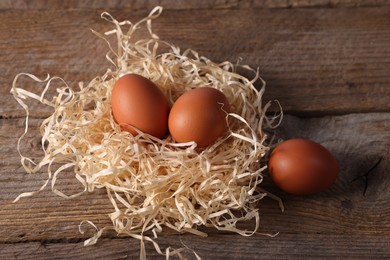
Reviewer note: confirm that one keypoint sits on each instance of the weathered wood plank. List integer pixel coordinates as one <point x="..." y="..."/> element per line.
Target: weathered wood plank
<point x="315" y="61"/>
<point x="180" y="5"/>
<point x="356" y="140"/>
<point x="283" y="246"/>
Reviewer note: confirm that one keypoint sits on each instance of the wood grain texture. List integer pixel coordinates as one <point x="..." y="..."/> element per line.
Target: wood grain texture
<point x="283" y="246"/>
<point x="314" y="61"/>
<point x="329" y="223"/>
<point x="182" y="5"/>
<point x="319" y="62"/>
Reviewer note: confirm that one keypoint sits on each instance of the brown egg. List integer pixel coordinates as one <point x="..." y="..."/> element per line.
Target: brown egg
<point x="302" y="167"/>
<point x="138" y="102"/>
<point x="199" y="115"/>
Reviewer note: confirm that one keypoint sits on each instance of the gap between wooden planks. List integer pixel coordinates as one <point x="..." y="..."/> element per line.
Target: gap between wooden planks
<point x="185" y="5"/>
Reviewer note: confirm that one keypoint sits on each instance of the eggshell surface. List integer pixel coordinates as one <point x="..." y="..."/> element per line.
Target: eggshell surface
<point x="199" y="115"/>
<point x="302" y="167"/>
<point x="138" y="102"/>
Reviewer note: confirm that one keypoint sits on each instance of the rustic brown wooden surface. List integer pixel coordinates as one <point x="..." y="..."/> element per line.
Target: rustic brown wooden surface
<point x="182" y="5"/>
<point x="329" y="65"/>
<point x="315" y="61"/>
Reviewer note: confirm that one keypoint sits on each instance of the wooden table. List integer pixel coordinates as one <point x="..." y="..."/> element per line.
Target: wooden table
<point x="327" y="62"/>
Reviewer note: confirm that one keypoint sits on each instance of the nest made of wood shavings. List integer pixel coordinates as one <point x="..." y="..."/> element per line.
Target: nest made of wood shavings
<point x="155" y="183"/>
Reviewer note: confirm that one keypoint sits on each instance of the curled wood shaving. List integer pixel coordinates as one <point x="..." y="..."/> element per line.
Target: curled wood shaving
<point x="155" y="183"/>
